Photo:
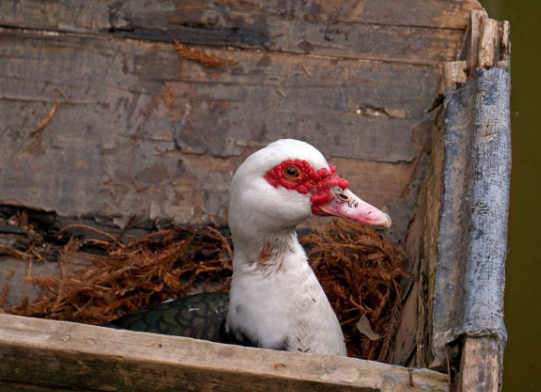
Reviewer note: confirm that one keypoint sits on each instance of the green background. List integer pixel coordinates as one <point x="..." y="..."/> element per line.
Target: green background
<point x="522" y="364"/>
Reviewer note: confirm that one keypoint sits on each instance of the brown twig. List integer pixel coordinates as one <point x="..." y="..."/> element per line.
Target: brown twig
<point x="90" y="228"/>
<point x="198" y="56"/>
<point x="225" y="242"/>
<point x="51" y="114"/>
<point x="14" y="253"/>
<point x="211" y="216"/>
<point x="5" y="291"/>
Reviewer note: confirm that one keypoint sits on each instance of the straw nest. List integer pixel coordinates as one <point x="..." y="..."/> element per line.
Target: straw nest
<point x="358" y="270"/>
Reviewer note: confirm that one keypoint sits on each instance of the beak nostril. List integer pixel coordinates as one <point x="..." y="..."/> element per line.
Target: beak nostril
<point x="343" y="197"/>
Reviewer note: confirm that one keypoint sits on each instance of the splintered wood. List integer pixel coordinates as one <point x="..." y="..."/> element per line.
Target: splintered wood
<point x="199" y="57"/>
<point x="357" y="269"/>
<point x="486" y="43"/>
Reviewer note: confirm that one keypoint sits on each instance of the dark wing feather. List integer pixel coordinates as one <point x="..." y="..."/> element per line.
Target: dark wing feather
<point x="200" y="316"/>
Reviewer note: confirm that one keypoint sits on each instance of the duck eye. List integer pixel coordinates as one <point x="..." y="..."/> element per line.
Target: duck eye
<point x="291" y="172"/>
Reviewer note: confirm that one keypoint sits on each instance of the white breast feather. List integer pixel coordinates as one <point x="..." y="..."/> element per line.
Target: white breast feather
<point x="285" y="305"/>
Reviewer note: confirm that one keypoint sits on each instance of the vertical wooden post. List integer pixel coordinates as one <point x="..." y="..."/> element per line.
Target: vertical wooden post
<point x="481" y="365"/>
<point x="468" y="291"/>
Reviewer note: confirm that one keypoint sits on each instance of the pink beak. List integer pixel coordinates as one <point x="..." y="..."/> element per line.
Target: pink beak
<point x="345" y="204"/>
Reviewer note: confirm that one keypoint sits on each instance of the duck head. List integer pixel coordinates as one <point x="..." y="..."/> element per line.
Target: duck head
<point x="287" y="182"/>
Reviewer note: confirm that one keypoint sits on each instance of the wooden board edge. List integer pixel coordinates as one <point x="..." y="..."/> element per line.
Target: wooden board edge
<point x="58" y="354"/>
<point x="481" y="365"/>
<point x="392" y="53"/>
<point x="430" y="239"/>
<point x="454" y="72"/>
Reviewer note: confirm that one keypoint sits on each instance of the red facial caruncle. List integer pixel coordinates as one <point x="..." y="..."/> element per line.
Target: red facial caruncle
<point x="299" y="175"/>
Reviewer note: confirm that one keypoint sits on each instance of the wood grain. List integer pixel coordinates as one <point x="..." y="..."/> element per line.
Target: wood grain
<point x="454" y="72"/>
<point x="489" y="43"/>
<point x="400" y="31"/>
<point x="486" y="43"/>
<point x="79" y="357"/>
<point x="153" y="135"/>
<point x="470" y="46"/>
<point x="481" y="367"/>
<point x="99" y="14"/>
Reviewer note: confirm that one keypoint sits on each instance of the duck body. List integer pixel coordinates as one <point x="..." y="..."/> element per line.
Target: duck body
<point x="288" y="310"/>
<point x="276" y="301"/>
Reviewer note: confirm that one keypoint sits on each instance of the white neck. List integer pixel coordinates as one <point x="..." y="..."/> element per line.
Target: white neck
<point x="276" y="300"/>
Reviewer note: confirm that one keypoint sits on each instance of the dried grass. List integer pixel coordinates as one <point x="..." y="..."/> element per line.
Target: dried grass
<point x="357" y="269"/>
<point x="162" y="265"/>
<point x="360" y="274"/>
<point x="5" y="291"/>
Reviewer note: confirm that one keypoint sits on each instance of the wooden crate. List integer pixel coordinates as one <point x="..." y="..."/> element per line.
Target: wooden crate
<point x="151" y="134"/>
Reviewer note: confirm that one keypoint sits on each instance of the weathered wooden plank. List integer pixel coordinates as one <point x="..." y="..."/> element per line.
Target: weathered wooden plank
<point x="489" y="43"/>
<point x="403" y="348"/>
<point x="411" y="345"/>
<point x="486" y="43"/>
<point x="415" y="328"/>
<point x="481" y="367"/>
<point x="472" y="251"/>
<point x="430" y="240"/>
<point x="101" y="14"/>
<point x="15" y="387"/>
<point x="154" y="135"/>
<point x="470" y="46"/>
<point x="505" y="48"/>
<point x="454" y="73"/>
<point x="407" y="30"/>
<point x="67" y="355"/>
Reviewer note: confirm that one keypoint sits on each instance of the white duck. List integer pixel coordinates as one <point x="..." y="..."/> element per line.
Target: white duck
<point x="276" y="300"/>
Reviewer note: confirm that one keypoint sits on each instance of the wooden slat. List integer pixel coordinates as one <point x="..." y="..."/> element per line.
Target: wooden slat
<point x="73" y="356"/>
<point x="472" y="231"/>
<point x="412" y="342"/>
<point x="489" y="43"/>
<point x="486" y="43"/>
<point x="505" y="49"/>
<point x="470" y="46"/>
<point x="430" y="242"/>
<point x="154" y="135"/>
<point x="11" y="387"/>
<point x="454" y="73"/>
<point x="481" y="367"/>
<point x="412" y="31"/>
<point x="99" y="14"/>
<point x="403" y="346"/>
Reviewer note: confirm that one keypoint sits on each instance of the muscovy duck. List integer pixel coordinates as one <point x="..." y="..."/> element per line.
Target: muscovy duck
<point x="276" y="300"/>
